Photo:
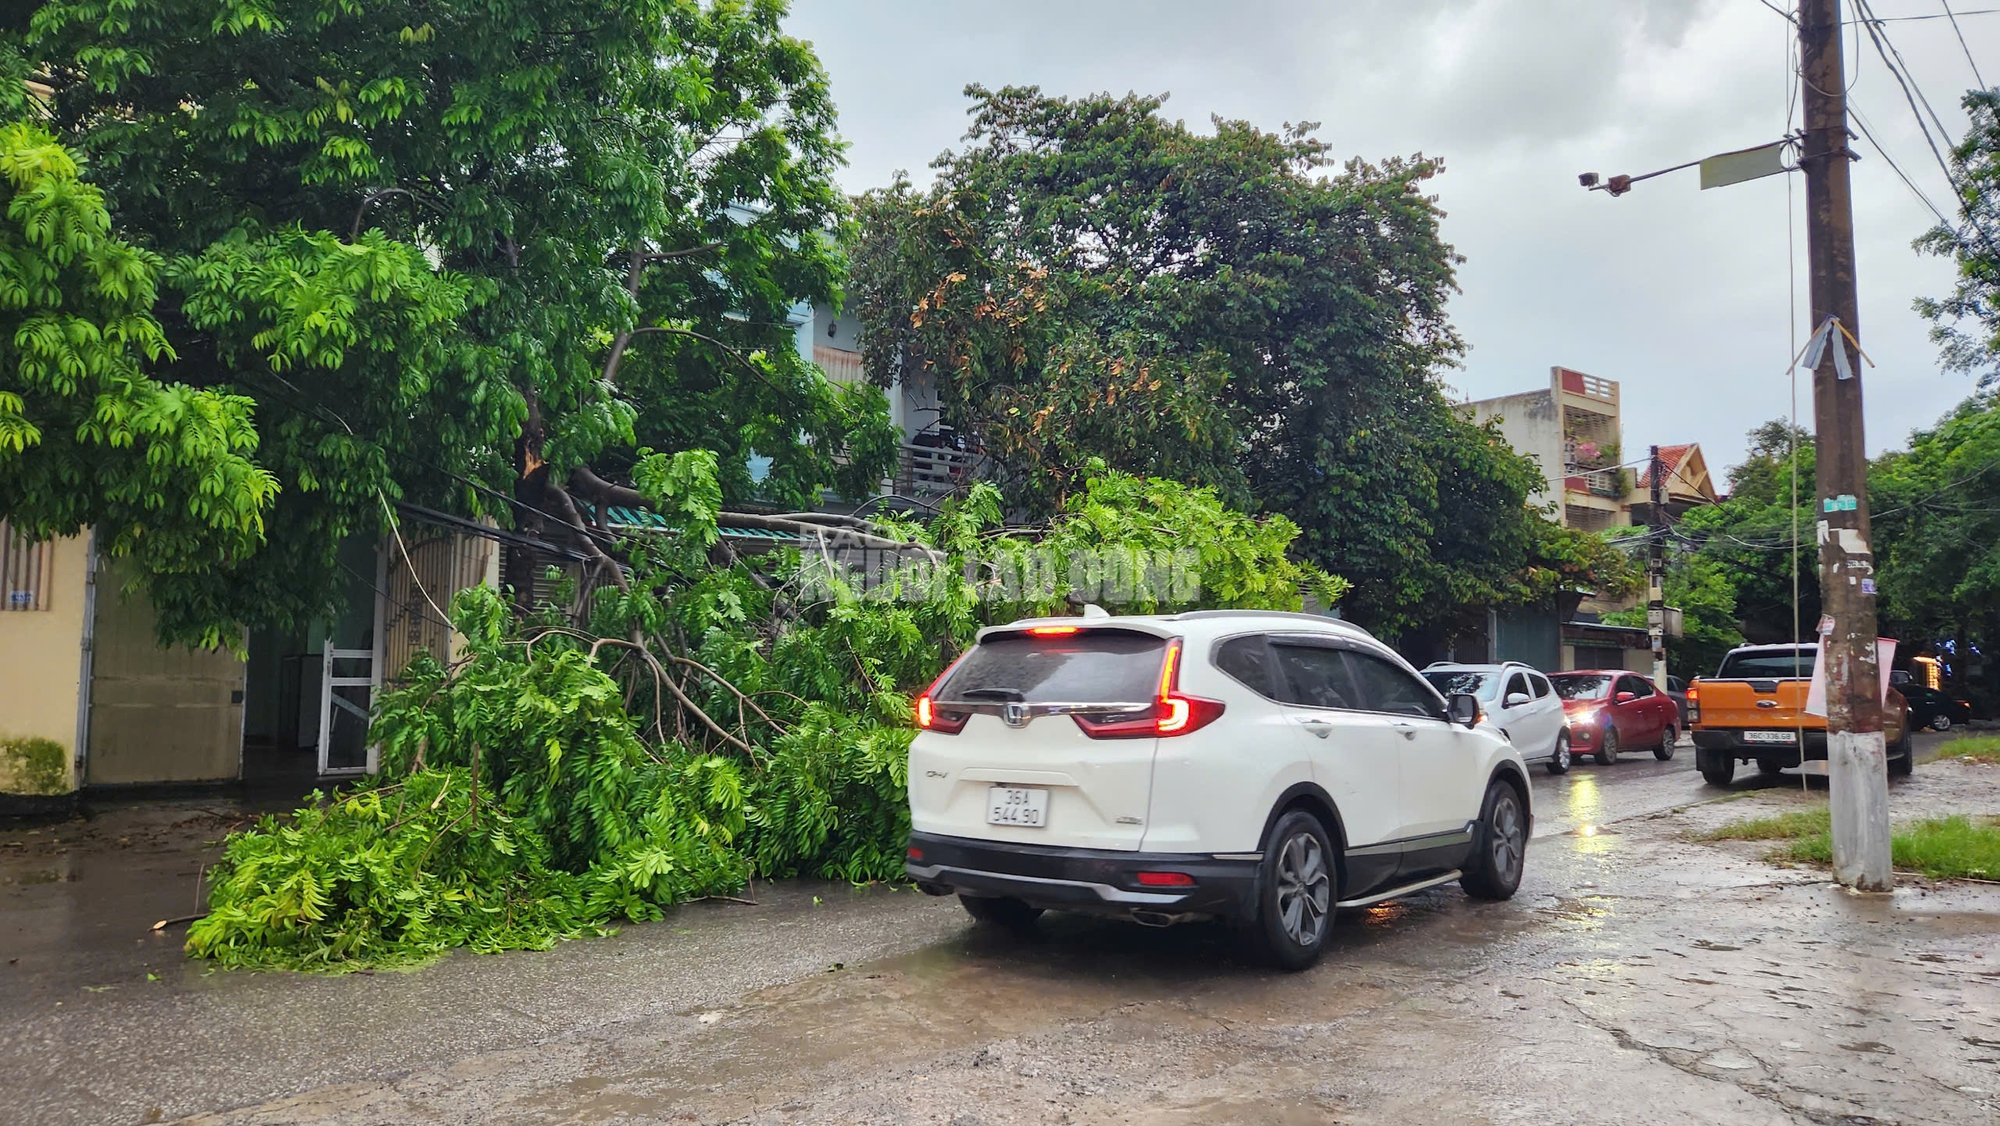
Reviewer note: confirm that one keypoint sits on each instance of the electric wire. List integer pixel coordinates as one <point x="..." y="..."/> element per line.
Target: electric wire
<point x="1962" y="44"/>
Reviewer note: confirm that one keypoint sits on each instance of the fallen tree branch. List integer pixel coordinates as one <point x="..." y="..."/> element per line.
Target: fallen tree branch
<point x="663" y="680"/>
<point x="741" y="695"/>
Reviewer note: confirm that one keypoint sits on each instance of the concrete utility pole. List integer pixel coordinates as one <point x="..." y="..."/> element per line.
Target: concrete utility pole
<point x="1857" y="766"/>
<point x="1656" y="571"/>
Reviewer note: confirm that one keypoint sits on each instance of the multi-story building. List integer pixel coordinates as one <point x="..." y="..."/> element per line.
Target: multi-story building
<point x="934" y="458"/>
<point x="1572" y="428"/>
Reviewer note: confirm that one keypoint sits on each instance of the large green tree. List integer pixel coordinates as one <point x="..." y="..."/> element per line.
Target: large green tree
<point x="470" y="255"/>
<point x="1936" y="513"/>
<point x="1088" y="278"/>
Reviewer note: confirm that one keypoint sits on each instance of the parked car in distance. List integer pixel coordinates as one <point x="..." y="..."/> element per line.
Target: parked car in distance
<point x="1934" y="709"/>
<point x="1611" y="710"/>
<point x="1260" y="767"/>
<point x="1677" y="690"/>
<point x="1516" y="699"/>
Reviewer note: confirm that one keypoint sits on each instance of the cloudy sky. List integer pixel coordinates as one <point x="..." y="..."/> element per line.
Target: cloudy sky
<point x="1680" y="295"/>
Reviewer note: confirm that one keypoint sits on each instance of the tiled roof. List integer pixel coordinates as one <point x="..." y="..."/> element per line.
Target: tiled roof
<point x="645" y="520"/>
<point x="1670" y="457"/>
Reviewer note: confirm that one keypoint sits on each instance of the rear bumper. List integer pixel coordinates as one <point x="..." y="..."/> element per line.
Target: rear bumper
<point x="1731" y="741"/>
<point x="1097" y="881"/>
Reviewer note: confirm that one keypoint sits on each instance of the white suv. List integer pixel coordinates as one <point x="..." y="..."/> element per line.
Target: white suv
<point x="1518" y="701"/>
<point x="1256" y="766"/>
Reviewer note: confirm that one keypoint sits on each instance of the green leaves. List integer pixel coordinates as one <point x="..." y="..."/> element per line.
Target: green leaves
<point x="166" y="472"/>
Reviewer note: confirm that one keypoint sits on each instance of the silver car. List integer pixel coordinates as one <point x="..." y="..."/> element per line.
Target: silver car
<point x="1518" y="701"/>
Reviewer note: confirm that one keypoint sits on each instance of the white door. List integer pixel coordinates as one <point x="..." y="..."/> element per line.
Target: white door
<point x="1357" y="757"/>
<point x="1530" y="714"/>
<point x="1440" y="785"/>
<point x="1549" y="709"/>
<point x="348" y="679"/>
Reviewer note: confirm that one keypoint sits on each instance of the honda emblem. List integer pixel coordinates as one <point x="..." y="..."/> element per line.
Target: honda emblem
<point x="1015" y="714"/>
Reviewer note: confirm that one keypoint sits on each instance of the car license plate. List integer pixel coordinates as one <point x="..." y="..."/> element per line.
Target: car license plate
<point x="1770" y="737"/>
<point x="1017" y="805"/>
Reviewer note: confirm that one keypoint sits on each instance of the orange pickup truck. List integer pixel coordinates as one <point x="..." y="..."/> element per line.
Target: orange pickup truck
<point x="1753" y="710"/>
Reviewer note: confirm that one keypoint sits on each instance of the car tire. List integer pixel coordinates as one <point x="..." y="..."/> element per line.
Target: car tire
<point x="1607" y="746"/>
<point x="1903" y="754"/>
<point x="1770" y="767"/>
<point x="1941" y="722"/>
<point x="1000" y="911"/>
<point x="1559" y="761"/>
<point x="1297" y="888"/>
<point x="1717" y="767"/>
<point x="1668" y="740"/>
<point x="1500" y="846"/>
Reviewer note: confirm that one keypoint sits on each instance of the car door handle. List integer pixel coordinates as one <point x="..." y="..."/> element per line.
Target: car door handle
<point x="1409" y="730"/>
<point x="1318" y="727"/>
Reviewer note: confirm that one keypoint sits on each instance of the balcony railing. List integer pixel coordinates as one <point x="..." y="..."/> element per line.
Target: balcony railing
<point x="932" y="470"/>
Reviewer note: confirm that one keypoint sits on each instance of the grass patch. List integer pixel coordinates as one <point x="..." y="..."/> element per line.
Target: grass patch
<point x="1984" y="748"/>
<point x="1779" y="827"/>
<point x="1942" y="848"/>
<point x="1946" y="848"/>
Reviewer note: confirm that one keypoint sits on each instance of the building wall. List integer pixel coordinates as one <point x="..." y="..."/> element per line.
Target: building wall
<point x="41" y="667"/>
<point x="158" y="714"/>
<point x="1532" y="425"/>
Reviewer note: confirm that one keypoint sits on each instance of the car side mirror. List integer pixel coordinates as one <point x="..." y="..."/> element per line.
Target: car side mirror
<point x="1463" y="708"/>
<point x="1624" y="697"/>
<point x="1515" y="699"/>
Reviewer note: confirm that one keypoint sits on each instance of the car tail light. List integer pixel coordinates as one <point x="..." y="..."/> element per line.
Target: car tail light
<point x="1694" y="703"/>
<point x="930" y="717"/>
<point x="1053" y="631"/>
<point x="1171" y="714"/>
<point x="914" y="853"/>
<point x="1164" y="879"/>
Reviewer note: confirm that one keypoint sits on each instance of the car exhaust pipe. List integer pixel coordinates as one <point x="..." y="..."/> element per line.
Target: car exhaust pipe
<point x="1163" y="919"/>
<point x="929" y="887"/>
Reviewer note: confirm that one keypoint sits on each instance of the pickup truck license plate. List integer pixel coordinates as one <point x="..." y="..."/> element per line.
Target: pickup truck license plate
<point x="1017" y="805"/>
<point x="1770" y="737"/>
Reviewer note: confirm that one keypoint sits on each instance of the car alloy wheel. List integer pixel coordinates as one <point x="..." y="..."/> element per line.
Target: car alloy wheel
<point x="1502" y="852"/>
<point x="1559" y="761"/>
<point x="1607" y="746"/>
<point x="1941" y="723"/>
<point x="1668" y="740"/>
<point x="1305" y="889"/>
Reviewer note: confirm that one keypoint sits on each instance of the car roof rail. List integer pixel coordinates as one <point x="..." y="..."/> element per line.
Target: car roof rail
<point x="1320" y="618"/>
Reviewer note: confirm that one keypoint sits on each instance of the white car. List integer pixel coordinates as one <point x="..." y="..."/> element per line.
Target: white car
<point x="1255" y="766"/>
<point x="1517" y="700"/>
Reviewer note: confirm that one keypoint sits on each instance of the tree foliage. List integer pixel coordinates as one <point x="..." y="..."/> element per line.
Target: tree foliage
<point x="1936" y="527"/>
<point x="469" y="255"/>
<point x="1088" y="279"/>
<point x="1700" y="587"/>
<point x="705" y="724"/>
<point x="1966" y="323"/>
<point x="165" y="471"/>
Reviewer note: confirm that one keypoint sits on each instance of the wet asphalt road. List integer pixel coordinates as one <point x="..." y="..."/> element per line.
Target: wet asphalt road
<point x="1636" y="978"/>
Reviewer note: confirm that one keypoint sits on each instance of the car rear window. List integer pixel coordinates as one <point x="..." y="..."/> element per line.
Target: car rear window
<point x="1586" y="687"/>
<point x="1771" y="665"/>
<point x="1091" y="666"/>
<point x="1450" y="683"/>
